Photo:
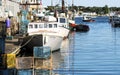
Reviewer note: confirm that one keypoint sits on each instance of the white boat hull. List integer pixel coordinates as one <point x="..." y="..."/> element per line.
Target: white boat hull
<point x="54" y="42"/>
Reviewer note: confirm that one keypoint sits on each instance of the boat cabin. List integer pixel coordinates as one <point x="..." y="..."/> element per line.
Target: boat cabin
<point x="42" y="26"/>
<point x="47" y="25"/>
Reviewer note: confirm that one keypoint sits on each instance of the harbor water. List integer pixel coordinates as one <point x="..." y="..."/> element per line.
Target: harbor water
<point x="96" y="52"/>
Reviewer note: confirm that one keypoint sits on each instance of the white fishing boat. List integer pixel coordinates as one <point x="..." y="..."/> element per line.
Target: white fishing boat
<point x="46" y="33"/>
<point x="88" y="19"/>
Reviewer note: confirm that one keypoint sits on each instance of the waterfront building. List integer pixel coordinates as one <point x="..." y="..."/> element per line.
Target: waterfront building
<point x="9" y="8"/>
<point x="32" y="4"/>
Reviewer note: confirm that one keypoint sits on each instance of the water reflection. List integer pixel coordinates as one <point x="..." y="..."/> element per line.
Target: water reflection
<point x="62" y="60"/>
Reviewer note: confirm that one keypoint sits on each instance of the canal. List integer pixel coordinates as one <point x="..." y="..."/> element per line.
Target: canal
<point x="96" y="52"/>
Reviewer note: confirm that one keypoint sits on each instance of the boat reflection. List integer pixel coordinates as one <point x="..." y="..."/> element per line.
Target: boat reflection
<point x="62" y="60"/>
<point x="59" y="57"/>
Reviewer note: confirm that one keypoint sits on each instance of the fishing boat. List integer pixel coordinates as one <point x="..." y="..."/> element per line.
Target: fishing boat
<point x="46" y="31"/>
<point x="87" y="19"/>
<point x="82" y="28"/>
<point x="115" y="21"/>
<point x="49" y="32"/>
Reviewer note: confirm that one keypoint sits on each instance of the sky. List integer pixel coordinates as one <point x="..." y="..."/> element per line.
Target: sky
<point x="91" y="3"/>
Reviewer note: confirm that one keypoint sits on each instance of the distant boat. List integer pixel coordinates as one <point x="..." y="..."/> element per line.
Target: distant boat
<point x="115" y="21"/>
<point x="87" y="19"/>
<point x="82" y="28"/>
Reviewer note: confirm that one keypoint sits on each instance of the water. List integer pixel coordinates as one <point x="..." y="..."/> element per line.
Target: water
<point x="96" y="52"/>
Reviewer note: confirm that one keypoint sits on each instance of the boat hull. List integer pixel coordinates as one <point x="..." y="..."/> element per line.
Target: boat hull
<point x="83" y="28"/>
<point x="29" y="42"/>
<point x="115" y="24"/>
<point x="88" y="20"/>
<point x="54" y="42"/>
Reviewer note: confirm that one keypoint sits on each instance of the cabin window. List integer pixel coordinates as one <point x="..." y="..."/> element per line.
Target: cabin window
<point x="50" y="25"/>
<point x="45" y="26"/>
<point x="30" y="26"/>
<point x="62" y="20"/>
<point x="40" y="26"/>
<point x="55" y="25"/>
<point x="36" y="26"/>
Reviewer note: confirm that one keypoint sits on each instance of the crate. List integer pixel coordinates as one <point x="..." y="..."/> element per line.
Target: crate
<point x="25" y="72"/>
<point x="9" y="60"/>
<point x="42" y="72"/>
<point x="43" y="63"/>
<point x="24" y="63"/>
<point x="42" y="52"/>
<point x="8" y="72"/>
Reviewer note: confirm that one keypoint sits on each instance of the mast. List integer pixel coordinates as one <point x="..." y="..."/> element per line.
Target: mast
<point x="72" y="3"/>
<point x="63" y="5"/>
<point x="41" y="5"/>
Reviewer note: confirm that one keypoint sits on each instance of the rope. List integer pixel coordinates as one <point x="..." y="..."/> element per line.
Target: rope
<point x="18" y="49"/>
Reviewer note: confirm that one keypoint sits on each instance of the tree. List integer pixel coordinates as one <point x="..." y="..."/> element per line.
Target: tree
<point x="105" y="9"/>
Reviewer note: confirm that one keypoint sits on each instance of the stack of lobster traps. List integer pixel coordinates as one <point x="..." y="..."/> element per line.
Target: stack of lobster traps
<point x="38" y="64"/>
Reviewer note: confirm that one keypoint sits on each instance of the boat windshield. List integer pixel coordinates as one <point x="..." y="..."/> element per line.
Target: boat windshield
<point x="62" y="20"/>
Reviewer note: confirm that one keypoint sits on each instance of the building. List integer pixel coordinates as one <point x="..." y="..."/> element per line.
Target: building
<point x="9" y="8"/>
<point x="31" y="4"/>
